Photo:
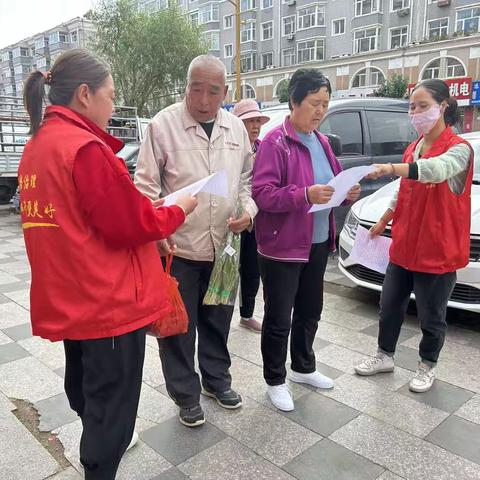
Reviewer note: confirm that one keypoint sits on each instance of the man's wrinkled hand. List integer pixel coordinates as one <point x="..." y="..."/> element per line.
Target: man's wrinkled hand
<point x="238" y="225"/>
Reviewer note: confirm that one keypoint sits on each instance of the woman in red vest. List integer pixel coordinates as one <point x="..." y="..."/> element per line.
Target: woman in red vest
<point x="90" y="239"/>
<point x="430" y="231"/>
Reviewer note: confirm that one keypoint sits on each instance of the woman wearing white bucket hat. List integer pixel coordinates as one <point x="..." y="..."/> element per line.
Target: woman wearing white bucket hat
<point x="253" y="119"/>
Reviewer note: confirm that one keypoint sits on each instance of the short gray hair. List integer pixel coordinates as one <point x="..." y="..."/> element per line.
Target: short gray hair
<point x="204" y="60"/>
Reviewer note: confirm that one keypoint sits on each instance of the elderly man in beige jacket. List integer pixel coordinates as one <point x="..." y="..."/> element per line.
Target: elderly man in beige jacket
<point x="185" y="143"/>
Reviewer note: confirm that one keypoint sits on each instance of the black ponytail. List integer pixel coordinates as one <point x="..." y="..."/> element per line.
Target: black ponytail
<point x="440" y="92"/>
<point x="33" y="98"/>
<point x="71" y="69"/>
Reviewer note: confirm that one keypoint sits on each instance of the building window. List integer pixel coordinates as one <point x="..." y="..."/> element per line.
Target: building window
<point x="248" y="62"/>
<point x="313" y="16"/>
<point x="228" y="21"/>
<point x="194" y="19"/>
<point x="247" y="32"/>
<point x="366" y="7"/>
<point x="39" y="43"/>
<point x="267" y="30"/>
<point x="454" y="68"/>
<point x="310" y="50"/>
<point x="437" y="28"/>
<point x="213" y="40"/>
<point x="400" y="5"/>
<point x="399" y="37"/>
<point x="267" y="60"/>
<point x="208" y="13"/>
<point x="267" y="3"/>
<point x="288" y="25"/>
<point x="248" y="91"/>
<point x="288" y="57"/>
<point x="468" y="20"/>
<point x="57" y="37"/>
<point x="247" y="5"/>
<point x="366" y="40"/>
<point x="432" y="70"/>
<point x="368" y="77"/>
<point x="5" y="57"/>
<point x="41" y="62"/>
<point x="74" y="37"/>
<point x="228" y="50"/>
<point x="338" y="26"/>
<point x="20" y="52"/>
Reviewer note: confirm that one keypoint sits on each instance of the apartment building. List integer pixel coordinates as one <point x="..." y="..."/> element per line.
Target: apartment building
<point x="39" y="52"/>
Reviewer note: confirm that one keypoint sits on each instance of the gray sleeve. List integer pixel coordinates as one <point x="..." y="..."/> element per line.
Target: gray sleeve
<point x="449" y="165"/>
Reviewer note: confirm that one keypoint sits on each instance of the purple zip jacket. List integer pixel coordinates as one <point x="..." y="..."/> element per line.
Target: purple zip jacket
<point x="281" y="174"/>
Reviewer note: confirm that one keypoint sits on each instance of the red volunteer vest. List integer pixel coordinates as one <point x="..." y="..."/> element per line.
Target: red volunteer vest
<point x="81" y="288"/>
<point x="431" y="224"/>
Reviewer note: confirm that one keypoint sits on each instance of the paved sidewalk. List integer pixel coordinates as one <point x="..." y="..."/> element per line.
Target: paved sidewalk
<point x="363" y="429"/>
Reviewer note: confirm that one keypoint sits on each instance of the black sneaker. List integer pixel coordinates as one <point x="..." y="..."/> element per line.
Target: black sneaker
<point x="229" y="399"/>
<point x="192" y="417"/>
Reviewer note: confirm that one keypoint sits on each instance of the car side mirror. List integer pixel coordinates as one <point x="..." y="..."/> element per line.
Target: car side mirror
<point x="335" y="143"/>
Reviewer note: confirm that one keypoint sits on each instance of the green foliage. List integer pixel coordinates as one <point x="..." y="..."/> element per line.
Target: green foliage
<point x="282" y="91"/>
<point x="394" y="87"/>
<point x="149" y="54"/>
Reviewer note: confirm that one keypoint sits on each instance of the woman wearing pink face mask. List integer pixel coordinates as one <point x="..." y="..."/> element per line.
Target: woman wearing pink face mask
<point x="430" y="231"/>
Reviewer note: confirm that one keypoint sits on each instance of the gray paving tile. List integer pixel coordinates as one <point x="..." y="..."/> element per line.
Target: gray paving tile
<point x="318" y="344"/>
<point x="11" y="351"/>
<point x="245" y="345"/>
<point x="321" y="414"/>
<point x="154" y="406"/>
<point x="152" y="367"/>
<point x="171" y="474"/>
<point x="326" y="460"/>
<point x="230" y="460"/>
<point x="458" y="436"/>
<point x="23" y="276"/>
<point x="391" y="407"/>
<point x="13" y="286"/>
<point x="177" y="443"/>
<point x="19" y="332"/>
<point x="22" y="456"/>
<point x="262" y="429"/>
<point x="471" y="410"/>
<point x="60" y="372"/>
<point x="407" y="358"/>
<point x="402" y="453"/>
<point x="339" y="357"/>
<point x="4" y="338"/>
<point x="15" y="268"/>
<point x="69" y="474"/>
<point x="4" y="299"/>
<point x="54" y="412"/>
<point x="29" y="379"/>
<point x="20" y="297"/>
<point x="391" y="380"/>
<point x="6" y="278"/>
<point x="389" y="476"/>
<point x="12" y="315"/>
<point x="347" y="319"/>
<point x="442" y="395"/>
<point x="52" y="354"/>
<point x="405" y="333"/>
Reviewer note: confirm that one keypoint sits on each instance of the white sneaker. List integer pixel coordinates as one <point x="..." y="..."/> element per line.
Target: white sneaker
<point x="381" y="362"/>
<point x="133" y="441"/>
<point x="315" y="379"/>
<point x="423" y="379"/>
<point x="281" y="397"/>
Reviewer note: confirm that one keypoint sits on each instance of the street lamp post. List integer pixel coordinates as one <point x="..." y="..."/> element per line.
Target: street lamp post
<point x="238" y="91"/>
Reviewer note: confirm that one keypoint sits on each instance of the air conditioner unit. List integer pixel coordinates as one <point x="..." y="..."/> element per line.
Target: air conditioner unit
<point x="403" y="12"/>
<point x="291" y="2"/>
<point x="443" y="3"/>
<point x="291" y="36"/>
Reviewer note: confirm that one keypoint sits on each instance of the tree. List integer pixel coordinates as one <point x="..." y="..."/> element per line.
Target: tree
<point x="148" y="54"/>
<point x="282" y="91"/>
<point x="394" y="87"/>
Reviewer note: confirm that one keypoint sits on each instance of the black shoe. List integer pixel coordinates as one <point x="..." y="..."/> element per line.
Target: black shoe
<point x="192" y="417"/>
<point x="229" y="399"/>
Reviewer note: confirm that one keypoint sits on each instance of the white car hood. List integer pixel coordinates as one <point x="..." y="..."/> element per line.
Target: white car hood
<point x="371" y="208"/>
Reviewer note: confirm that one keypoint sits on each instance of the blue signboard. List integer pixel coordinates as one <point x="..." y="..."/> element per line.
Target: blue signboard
<point x="475" y="93"/>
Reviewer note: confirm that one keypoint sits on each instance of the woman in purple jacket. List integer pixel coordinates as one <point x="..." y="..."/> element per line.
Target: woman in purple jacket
<point x="293" y="166"/>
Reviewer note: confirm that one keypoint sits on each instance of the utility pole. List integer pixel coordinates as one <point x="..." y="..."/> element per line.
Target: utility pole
<point x="238" y="22"/>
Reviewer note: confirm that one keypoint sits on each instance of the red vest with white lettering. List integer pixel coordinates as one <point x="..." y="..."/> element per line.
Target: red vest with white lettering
<point x="431" y="224"/>
<point x="81" y="287"/>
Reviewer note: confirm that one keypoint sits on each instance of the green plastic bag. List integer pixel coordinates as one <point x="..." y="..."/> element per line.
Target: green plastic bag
<point x="223" y="285"/>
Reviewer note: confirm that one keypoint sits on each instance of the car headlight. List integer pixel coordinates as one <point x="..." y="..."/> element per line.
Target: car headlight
<point x="351" y="224"/>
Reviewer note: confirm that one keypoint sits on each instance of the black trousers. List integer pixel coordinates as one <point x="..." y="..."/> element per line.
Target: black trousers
<point x="213" y="325"/>
<point x="249" y="274"/>
<point x="103" y="379"/>
<point x="432" y="292"/>
<point x="291" y="286"/>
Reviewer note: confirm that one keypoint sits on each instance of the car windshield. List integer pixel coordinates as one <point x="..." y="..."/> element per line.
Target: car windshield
<point x="127" y="150"/>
